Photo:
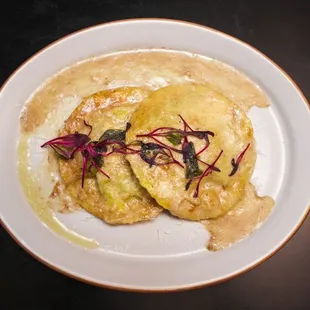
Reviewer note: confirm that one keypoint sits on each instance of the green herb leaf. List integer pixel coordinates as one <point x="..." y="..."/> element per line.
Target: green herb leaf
<point x="191" y="163"/>
<point x="115" y="134"/>
<point x="149" y="152"/>
<point x="175" y="138"/>
<point x="99" y="161"/>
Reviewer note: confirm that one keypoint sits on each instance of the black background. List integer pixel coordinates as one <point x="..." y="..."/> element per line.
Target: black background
<point x="281" y="30"/>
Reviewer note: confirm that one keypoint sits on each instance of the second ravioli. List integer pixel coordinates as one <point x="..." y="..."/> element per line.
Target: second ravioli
<point x="119" y="199"/>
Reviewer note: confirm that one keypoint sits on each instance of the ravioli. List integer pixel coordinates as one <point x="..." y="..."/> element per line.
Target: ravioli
<point x="119" y="199"/>
<point x="204" y="109"/>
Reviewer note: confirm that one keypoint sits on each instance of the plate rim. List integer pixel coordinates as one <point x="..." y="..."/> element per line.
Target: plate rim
<point x="186" y="287"/>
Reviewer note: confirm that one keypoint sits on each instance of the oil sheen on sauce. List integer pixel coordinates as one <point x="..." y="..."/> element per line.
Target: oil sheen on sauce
<point x="54" y="101"/>
<point x="30" y="184"/>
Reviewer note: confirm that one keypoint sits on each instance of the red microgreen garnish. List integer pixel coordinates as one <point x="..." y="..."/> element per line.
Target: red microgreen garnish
<point x="157" y="153"/>
<point x="67" y="146"/>
<point x="176" y="137"/>
<point x="89" y="126"/>
<point x="92" y="152"/>
<point x="236" y="163"/>
<point x="91" y="158"/>
<point x="208" y="170"/>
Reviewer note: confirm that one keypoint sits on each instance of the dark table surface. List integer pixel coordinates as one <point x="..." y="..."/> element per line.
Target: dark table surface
<point x="281" y="30"/>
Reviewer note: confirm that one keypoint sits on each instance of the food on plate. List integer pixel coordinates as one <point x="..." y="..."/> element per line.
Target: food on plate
<point x="214" y="135"/>
<point x="134" y="133"/>
<point x="113" y="195"/>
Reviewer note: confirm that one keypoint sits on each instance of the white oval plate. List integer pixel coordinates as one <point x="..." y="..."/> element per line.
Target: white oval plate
<point x="165" y="254"/>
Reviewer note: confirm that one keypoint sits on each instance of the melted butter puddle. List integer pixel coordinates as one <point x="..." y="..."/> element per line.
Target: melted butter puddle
<point x="240" y="222"/>
<point x="39" y="206"/>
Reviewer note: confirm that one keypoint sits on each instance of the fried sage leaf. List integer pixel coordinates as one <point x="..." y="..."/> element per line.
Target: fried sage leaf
<point x="190" y="160"/>
<point x="115" y="134"/>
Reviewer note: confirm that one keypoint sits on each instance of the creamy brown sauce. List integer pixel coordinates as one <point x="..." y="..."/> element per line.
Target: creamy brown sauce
<point x="143" y="68"/>
<point x="240" y="221"/>
<point x="53" y="102"/>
